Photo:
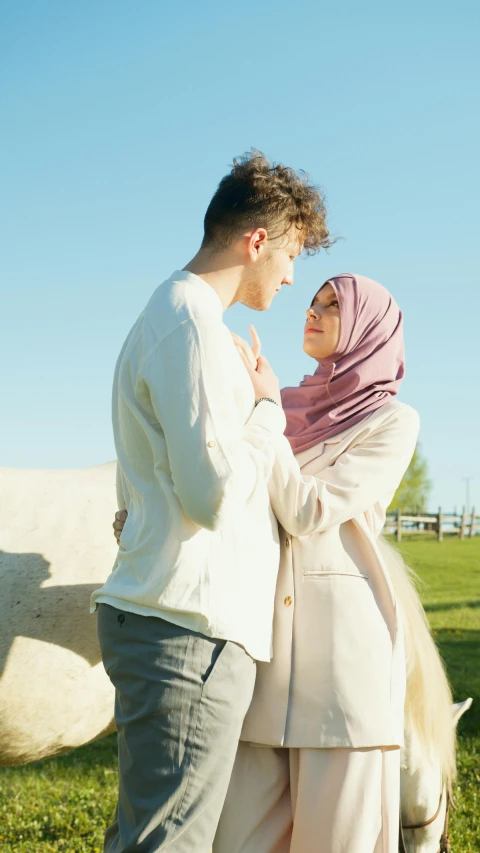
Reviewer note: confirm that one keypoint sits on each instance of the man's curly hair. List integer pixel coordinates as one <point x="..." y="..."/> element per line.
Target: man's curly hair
<point x="257" y="193"/>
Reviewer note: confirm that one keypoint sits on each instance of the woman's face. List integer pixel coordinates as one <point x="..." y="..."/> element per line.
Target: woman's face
<point x="322" y="327"/>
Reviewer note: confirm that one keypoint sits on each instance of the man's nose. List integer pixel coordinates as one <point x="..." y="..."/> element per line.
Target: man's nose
<point x="288" y="279"/>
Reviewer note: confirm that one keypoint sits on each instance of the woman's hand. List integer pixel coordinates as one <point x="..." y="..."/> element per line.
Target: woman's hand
<point x="264" y="381"/>
<point x="119" y="523"/>
<point x="252" y="353"/>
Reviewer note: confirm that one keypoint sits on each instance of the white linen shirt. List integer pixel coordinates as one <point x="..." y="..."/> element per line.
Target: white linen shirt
<point x="200" y="547"/>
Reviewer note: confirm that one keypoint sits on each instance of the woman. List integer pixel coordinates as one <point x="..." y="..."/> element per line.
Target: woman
<point x="318" y="767"/>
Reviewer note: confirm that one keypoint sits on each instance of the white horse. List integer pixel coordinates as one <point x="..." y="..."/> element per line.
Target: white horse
<point x="425" y="794"/>
<point x="428" y="758"/>
<point x="57" y="546"/>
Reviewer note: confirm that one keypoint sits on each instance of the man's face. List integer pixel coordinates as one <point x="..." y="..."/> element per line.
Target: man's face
<point x="265" y="276"/>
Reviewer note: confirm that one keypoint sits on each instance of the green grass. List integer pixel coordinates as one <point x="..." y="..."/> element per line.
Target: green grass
<point x="63" y="804"/>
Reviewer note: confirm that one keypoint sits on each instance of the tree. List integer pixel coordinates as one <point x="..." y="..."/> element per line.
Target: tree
<point x="414" y="490"/>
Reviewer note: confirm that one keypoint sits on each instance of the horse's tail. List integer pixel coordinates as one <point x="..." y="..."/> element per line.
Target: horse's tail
<point x="429" y="698"/>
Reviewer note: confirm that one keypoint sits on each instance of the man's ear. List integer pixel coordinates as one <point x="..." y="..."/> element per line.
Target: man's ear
<point x="257" y="241"/>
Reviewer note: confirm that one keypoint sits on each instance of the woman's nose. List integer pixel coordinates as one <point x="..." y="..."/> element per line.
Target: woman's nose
<point x="312" y="314"/>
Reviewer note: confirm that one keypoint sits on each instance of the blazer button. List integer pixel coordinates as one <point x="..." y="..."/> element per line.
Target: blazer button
<point x="287" y="601"/>
<point x="287" y="543"/>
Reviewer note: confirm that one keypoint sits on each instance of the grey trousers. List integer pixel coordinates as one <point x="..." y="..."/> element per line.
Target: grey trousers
<point x="180" y="702"/>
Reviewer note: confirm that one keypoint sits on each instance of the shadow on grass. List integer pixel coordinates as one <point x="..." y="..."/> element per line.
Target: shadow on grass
<point x="454" y="605"/>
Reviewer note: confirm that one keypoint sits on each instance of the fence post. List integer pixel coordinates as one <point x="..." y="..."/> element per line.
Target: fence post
<point x="399" y="525"/>
<point x="440" y="524"/>
<point x="464" y="523"/>
<point x="472" y="524"/>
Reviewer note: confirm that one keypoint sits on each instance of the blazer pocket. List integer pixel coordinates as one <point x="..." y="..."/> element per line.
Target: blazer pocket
<point x="337" y="563"/>
<point x="328" y="574"/>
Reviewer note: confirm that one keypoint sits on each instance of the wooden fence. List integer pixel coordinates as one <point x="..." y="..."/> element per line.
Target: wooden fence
<point x="465" y="525"/>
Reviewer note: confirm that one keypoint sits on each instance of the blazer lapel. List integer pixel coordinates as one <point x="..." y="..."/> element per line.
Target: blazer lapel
<point x="306" y="456"/>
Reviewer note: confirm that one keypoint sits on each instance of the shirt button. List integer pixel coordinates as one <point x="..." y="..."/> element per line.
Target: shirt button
<point x="287" y="601"/>
<point x="287" y="543"/>
<point x="212" y="444"/>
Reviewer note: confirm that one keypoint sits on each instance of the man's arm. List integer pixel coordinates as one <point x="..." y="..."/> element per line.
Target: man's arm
<point x="215" y="461"/>
<point x="121" y="502"/>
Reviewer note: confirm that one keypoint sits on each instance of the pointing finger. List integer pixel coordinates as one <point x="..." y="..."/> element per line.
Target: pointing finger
<point x="256" y="343"/>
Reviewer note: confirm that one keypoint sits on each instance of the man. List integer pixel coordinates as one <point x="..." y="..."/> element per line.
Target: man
<point x="188" y="607"/>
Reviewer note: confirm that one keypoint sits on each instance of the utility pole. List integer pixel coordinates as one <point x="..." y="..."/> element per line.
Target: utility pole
<point x="467" y="491"/>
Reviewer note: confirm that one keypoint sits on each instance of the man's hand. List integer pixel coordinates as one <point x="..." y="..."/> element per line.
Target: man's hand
<point x="119" y="523"/>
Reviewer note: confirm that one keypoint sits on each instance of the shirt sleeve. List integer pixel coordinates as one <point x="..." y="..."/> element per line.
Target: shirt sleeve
<point x="366" y="474"/>
<point x="121" y="502"/>
<point x="216" y="461"/>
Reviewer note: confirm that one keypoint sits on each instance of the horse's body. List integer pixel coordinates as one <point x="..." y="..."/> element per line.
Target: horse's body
<point x="56" y="547"/>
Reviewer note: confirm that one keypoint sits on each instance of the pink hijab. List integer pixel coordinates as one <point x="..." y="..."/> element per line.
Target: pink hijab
<point x="361" y="376"/>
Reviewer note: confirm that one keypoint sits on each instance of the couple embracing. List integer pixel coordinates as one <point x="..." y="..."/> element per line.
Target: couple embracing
<point x="249" y="625"/>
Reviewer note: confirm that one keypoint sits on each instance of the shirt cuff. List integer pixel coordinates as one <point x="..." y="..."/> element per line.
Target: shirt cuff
<point x="269" y="416"/>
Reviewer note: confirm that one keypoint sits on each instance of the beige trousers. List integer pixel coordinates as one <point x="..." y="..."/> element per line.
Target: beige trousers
<point x="311" y="801"/>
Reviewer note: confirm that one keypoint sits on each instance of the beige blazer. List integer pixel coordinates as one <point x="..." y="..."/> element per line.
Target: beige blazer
<point x="337" y="678"/>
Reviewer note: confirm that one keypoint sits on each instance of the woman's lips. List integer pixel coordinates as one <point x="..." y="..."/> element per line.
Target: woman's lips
<point x="312" y="329"/>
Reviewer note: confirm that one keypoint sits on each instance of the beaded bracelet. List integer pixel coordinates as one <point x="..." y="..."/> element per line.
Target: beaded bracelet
<point x="267" y="400"/>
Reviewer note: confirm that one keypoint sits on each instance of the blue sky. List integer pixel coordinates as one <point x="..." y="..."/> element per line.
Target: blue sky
<point x="119" y="119"/>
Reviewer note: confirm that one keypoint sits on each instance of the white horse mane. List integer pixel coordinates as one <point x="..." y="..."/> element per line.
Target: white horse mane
<point x="429" y="698"/>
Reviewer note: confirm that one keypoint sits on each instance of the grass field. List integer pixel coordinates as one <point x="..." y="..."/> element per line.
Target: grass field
<point x="64" y="804"/>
